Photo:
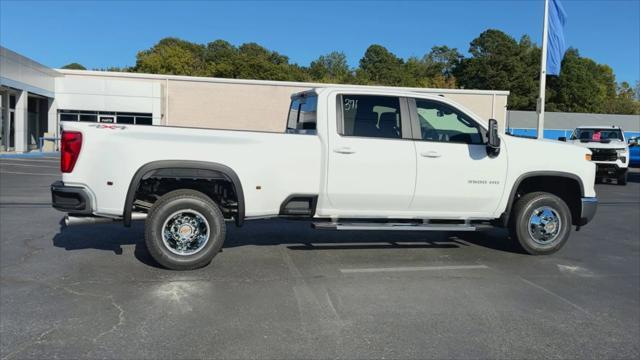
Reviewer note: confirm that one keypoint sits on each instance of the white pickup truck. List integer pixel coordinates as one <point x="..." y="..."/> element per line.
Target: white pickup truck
<point x="350" y="159"/>
<point x="609" y="150"/>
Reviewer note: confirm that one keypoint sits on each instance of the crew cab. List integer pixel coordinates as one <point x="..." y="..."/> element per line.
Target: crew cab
<point x="350" y="159"/>
<point x="609" y="150"/>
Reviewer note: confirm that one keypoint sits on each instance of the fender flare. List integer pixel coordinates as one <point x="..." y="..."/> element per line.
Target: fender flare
<point x="226" y="171"/>
<point x="521" y="178"/>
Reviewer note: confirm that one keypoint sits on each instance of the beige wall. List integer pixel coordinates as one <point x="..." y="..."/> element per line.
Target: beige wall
<point x="226" y="103"/>
<point x="265" y="107"/>
<point x="229" y="106"/>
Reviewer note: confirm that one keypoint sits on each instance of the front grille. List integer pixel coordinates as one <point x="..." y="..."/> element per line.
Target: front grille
<point x="604" y="154"/>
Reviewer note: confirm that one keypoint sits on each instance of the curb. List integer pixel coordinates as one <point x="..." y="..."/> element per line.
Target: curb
<point x="29" y="155"/>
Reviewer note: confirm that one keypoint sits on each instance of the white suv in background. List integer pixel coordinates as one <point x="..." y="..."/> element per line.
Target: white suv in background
<point x="609" y="150"/>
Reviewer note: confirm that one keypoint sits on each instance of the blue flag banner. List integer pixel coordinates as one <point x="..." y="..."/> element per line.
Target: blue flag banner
<point x="556" y="46"/>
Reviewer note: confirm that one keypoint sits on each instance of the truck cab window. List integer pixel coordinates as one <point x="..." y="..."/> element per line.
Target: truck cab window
<point x="370" y="116"/>
<point x="441" y="122"/>
<point x="303" y="114"/>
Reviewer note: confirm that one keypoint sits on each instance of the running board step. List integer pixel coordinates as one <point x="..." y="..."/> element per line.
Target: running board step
<point x="392" y="226"/>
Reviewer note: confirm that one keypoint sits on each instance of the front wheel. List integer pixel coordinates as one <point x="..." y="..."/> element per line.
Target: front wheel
<point x="541" y="223"/>
<point x="622" y="177"/>
<point x="184" y="230"/>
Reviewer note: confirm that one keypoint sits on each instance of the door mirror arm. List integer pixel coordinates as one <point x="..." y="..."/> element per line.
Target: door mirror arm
<point x="493" y="144"/>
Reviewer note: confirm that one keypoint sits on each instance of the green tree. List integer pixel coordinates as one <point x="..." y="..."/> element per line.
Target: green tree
<point x="173" y="56"/>
<point x="625" y="91"/>
<point x="74" y="66"/>
<point x="441" y="63"/>
<point x="416" y="73"/>
<point x="380" y="66"/>
<point x="221" y="58"/>
<point x="583" y="85"/>
<point x="331" y="68"/>
<point x="625" y="101"/>
<point x="257" y="62"/>
<point x="499" y="62"/>
<point x="443" y="60"/>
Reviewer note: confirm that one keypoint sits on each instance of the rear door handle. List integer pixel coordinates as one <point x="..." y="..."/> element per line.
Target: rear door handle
<point x="344" y="150"/>
<point x="430" y="154"/>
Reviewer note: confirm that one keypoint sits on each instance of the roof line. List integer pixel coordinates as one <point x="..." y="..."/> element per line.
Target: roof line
<point x="10" y="54"/>
<point x="269" y="82"/>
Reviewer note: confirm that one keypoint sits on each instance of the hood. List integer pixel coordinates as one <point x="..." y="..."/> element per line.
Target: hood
<point x="613" y="144"/>
<point x="558" y="147"/>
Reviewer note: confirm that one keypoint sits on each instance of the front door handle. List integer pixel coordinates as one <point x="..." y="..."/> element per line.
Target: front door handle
<point x="344" y="150"/>
<point x="430" y="154"/>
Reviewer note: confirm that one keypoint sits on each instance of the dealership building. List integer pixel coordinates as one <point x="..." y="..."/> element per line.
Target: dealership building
<point x="35" y="99"/>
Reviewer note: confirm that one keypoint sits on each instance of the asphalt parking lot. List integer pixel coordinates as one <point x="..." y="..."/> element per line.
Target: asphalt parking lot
<point x="282" y="290"/>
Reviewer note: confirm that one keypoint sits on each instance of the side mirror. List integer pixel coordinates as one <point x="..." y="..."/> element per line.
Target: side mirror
<point x="562" y="138"/>
<point x="493" y="145"/>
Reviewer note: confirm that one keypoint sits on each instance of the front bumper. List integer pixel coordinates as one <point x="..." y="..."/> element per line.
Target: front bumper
<point x="612" y="169"/>
<point x="70" y="199"/>
<point x="588" y="209"/>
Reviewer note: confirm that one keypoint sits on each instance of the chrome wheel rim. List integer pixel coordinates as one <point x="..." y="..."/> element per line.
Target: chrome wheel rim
<point x="544" y="225"/>
<point x="185" y="232"/>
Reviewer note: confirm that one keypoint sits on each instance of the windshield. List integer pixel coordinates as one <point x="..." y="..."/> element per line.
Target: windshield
<point x="597" y="135"/>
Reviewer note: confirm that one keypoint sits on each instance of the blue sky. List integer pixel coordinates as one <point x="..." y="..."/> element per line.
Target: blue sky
<point x="109" y="33"/>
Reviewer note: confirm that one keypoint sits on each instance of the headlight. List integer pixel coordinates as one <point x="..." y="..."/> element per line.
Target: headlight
<point x="622" y="154"/>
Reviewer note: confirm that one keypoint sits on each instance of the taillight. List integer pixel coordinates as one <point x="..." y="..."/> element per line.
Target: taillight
<point x="70" y="149"/>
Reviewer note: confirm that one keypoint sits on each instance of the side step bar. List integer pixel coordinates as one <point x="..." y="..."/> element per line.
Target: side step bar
<point x="70" y="220"/>
<point x="392" y="226"/>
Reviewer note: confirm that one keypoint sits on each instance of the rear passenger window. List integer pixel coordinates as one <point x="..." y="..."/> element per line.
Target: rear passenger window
<point x="370" y="116"/>
<point x="303" y="114"/>
<point x="441" y="122"/>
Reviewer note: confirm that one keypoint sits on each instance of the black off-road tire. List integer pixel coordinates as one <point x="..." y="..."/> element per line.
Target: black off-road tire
<point x="169" y="204"/>
<point x="521" y="214"/>
<point x="622" y="177"/>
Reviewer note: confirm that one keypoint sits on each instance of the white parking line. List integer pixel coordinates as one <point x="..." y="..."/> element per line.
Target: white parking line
<point x="413" y="268"/>
<point x="26" y="173"/>
<point x="40" y="166"/>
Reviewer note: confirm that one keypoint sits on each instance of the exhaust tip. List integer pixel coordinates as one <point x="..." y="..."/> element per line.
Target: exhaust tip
<point x="71" y="220"/>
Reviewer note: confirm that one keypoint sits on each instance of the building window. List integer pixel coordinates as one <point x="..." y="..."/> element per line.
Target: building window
<point x="94" y="116"/>
<point x="68" y="117"/>
<point x="88" y="117"/>
<point x="126" y="120"/>
<point x="143" y="120"/>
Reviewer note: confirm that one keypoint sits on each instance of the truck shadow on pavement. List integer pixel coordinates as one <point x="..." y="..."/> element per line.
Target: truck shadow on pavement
<point x="296" y="235"/>
<point x="299" y="236"/>
<point x="108" y="237"/>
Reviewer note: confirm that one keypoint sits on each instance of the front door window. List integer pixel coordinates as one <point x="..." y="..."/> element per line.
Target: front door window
<point x="444" y="123"/>
<point x="455" y="176"/>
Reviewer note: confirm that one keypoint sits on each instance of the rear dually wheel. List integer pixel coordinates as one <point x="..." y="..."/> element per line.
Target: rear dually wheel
<point x="184" y="230"/>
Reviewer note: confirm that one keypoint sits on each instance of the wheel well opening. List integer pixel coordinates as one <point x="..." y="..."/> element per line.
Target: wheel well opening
<point x="215" y="184"/>
<point x="568" y="189"/>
